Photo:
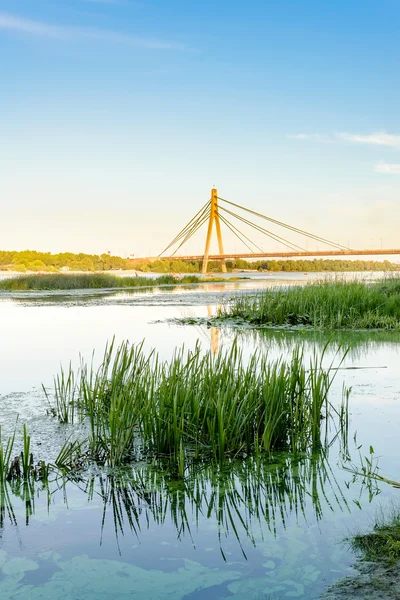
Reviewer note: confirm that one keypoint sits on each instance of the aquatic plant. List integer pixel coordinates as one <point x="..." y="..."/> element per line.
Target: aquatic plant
<point x="54" y="281"/>
<point x="323" y="304"/>
<point x="5" y="457"/>
<point x="383" y="542"/>
<point x="21" y="467"/>
<point x="198" y="405"/>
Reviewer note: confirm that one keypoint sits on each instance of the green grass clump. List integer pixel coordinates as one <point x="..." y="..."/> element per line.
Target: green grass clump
<point x="88" y="281"/>
<point x="323" y="305"/>
<point x="196" y="405"/>
<point x="21" y="467"/>
<point x="383" y="543"/>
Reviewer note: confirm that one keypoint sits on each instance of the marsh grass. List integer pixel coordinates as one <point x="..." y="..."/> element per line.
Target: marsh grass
<point x="197" y="405"/>
<point x="88" y="281"/>
<point x="5" y="457"/>
<point x="323" y="305"/>
<point x="383" y="543"/>
<point x="21" y="467"/>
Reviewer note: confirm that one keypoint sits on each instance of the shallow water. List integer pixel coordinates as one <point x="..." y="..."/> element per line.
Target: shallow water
<point x="231" y="534"/>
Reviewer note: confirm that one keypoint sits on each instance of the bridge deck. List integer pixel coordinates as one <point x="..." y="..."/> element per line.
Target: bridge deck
<point x="284" y="254"/>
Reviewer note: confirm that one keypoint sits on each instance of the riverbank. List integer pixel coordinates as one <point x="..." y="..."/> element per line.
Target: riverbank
<point x="85" y="281"/>
<point x="373" y="581"/>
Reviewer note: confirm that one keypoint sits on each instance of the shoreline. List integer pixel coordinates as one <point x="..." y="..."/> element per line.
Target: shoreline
<point x="373" y="581"/>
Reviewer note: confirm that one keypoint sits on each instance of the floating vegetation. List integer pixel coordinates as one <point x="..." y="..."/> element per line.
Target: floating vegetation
<point x="323" y="305"/>
<point x="86" y="281"/>
<point x="197" y="406"/>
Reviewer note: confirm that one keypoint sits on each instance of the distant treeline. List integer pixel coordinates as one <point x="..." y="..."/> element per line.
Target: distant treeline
<point x="30" y="260"/>
<point x="179" y="266"/>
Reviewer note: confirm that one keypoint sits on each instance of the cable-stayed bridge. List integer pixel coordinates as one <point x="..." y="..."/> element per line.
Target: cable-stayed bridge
<point x="219" y="211"/>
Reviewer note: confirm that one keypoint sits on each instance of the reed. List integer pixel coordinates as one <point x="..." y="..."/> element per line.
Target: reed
<point x="21" y="468"/>
<point x="5" y="457"/>
<point x="89" y="281"/>
<point x="324" y="305"/>
<point x="26" y="456"/>
<point x="197" y="405"/>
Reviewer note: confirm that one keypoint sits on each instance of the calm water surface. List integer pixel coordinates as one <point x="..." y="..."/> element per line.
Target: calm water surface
<point x="248" y="531"/>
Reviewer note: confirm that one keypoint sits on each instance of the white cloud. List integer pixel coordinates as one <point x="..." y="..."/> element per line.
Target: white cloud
<point x="26" y="26"/>
<point x="378" y="138"/>
<point x="41" y="29"/>
<point x="315" y="137"/>
<point x="392" y="169"/>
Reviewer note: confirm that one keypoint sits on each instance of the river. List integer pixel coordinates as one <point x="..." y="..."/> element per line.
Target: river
<point x="223" y="533"/>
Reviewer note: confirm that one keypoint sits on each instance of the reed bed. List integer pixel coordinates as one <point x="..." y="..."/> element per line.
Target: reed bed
<point x="323" y="305"/>
<point x="197" y="405"/>
<point x="88" y="281"/>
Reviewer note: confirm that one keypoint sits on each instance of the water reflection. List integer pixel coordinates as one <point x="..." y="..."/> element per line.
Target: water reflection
<point x="214" y="332"/>
<point x="242" y="499"/>
<point x="359" y="343"/>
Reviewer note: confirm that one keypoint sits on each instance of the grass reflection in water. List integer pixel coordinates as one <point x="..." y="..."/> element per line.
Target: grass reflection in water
<point x="245" y="499"/>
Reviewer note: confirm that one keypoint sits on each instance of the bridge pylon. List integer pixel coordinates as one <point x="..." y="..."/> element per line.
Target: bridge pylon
<point x="214" y="218"/>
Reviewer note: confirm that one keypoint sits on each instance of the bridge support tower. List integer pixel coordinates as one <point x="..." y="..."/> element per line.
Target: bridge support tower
<point x="214" y="217"/>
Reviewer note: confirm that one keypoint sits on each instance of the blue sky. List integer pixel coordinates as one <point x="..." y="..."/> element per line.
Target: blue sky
<point x="117" y="117"/>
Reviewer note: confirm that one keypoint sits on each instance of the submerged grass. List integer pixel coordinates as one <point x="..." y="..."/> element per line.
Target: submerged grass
<point x="324" y="305"/>
<point x="197" y="405"/>
<point x="91" y="281"/>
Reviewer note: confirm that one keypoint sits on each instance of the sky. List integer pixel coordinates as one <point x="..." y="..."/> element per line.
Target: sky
<point x="117" y="117"/>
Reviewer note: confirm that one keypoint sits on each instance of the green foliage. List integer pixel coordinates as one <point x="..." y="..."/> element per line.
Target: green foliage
<point x="30" y="260"/>
<point x="383" y="543"/>
<point x="319" y="265"/>
<point x="290" y="265"/>
<point x="87" y="281"/>
<point x="196" y="405"/>
<point x="5" y="457"/>
<point x="323" y="305"/>
<point x="45" y="261"/>
<point x="20" y="468"/>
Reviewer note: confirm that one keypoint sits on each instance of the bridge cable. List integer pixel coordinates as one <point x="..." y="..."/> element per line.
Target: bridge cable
<point x="280" y="223"/>
<point x="290" y="227"/>
<point x="188" y="226"/>
<point x="275" y="237"/>
<point x="238" y="233"/>
<point x="194" y="229"/>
